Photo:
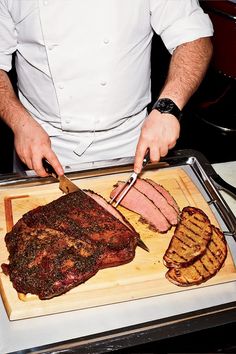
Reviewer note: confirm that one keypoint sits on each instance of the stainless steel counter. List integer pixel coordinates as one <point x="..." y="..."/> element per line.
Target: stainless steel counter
<point x="227" y="170"/>
<point x="95" y="330"/>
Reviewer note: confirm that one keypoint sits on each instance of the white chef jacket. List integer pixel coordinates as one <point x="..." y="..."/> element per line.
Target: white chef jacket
<point x="83" y="66"/>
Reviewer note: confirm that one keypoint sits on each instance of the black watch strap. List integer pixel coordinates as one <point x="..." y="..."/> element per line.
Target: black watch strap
<point x="166" y="105"/>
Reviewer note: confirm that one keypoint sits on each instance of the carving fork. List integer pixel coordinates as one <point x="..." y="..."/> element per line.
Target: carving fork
<point x="117" y="198"/>
<point x="128" y="184"/>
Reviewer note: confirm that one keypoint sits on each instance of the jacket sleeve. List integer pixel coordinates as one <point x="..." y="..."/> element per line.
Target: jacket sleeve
<point x="179" y="21"/>
<point x="8" y="38"/>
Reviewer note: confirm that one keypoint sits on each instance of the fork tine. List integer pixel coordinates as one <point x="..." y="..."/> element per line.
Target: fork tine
<point x="125" y="190"/>
<point x="126" y="184"/>
<point x="120" y="191"/>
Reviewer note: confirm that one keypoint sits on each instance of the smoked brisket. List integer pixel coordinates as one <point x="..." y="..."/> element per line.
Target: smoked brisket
<point x="58" y="246"/>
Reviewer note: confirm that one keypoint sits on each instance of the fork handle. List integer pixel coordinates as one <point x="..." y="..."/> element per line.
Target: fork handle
<point x="146" y="159"/>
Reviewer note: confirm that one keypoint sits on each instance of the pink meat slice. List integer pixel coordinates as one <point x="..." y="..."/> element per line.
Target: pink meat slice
<point x="165" y="194"/>
<point x="116" y="213"/>
<point x="158" y="199"/>
<point x="142" y="205"/>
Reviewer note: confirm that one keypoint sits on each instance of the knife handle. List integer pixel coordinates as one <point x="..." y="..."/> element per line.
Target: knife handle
<point x="49" y="169"/>
<point x="146" y="159"/>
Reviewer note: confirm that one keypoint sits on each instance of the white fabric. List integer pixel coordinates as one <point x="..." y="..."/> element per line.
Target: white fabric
<point x="99" y="145"/>
<point x="84" y="66"/>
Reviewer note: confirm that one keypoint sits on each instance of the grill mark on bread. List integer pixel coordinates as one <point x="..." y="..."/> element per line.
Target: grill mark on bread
<point x="184" y="235"/>
<point x="190" y="238"/>
<point x="206" y="266"/>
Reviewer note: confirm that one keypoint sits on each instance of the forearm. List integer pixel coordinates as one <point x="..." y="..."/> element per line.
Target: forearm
<point x="32" y="143"/>
<point x="12" y="112"/>
<point x="187" y="68"/>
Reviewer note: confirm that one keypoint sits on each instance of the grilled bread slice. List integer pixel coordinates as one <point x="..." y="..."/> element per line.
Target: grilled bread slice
<point x="190" y="238"/>
<point x="206" y="266"/>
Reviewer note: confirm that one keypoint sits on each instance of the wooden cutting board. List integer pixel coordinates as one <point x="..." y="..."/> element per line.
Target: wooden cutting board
<point x="143" y="277"/>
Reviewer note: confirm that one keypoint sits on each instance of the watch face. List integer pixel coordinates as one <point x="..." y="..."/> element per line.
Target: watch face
<point x="165" y="105"/>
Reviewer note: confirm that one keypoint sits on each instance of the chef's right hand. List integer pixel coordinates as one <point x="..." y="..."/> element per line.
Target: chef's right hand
<point x="32" y="145"/>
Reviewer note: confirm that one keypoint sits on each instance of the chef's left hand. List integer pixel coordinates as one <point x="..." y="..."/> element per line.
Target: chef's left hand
<point x="159" y="133"/>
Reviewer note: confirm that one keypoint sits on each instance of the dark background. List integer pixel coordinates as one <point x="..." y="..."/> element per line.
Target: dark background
<point x="208" y="125"/>
<point x="6" y="140"/>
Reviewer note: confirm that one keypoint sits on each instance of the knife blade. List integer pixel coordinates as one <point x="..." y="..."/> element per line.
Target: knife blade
<point x="65" y="184"/>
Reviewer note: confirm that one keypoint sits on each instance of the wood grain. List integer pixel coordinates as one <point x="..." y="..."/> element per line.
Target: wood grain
<point x="143" y="277"/>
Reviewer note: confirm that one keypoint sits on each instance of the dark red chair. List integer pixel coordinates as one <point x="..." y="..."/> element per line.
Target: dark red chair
<point x="223" y="16"/>
<point x="219" y="107"/>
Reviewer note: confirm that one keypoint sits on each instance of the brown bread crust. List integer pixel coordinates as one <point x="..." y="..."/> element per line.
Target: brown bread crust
<point x="206" y="266"/>
<point x="190" y="238"/>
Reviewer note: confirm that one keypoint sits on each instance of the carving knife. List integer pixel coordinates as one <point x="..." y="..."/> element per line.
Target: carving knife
<point x="67" y="186"/>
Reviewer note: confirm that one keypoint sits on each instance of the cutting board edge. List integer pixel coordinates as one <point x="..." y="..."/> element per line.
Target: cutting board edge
<point x="183" y="177"/>
<point x="18" y="313"/>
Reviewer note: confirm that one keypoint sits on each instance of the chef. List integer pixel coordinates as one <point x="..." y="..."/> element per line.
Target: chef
<point x="83" y="77"/>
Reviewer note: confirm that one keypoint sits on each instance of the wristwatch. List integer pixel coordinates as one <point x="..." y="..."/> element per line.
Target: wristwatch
<point x="166" y="105"/>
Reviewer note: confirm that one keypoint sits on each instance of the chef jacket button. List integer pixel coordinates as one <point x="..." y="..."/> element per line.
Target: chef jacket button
<point x="106" y="41"/>
<point x="67" y="121"/>
<point x="61" y="86"/>
<point x="50" y="47"/>
<point x="103" y="83"/>
<point x="45" y="2"/>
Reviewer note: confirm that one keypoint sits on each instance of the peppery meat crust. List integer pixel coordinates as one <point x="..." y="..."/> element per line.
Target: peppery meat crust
<point x="58" y="246"/>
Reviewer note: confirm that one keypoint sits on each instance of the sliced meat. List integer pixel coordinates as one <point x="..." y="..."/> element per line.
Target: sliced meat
<point x="142" y="205"/>
<point x="190" y="238"/>
<point x="165" y="194"/>
<point x="115" y="212"/>
<point x="204" y="267"/>
<point x="158" y="199"/>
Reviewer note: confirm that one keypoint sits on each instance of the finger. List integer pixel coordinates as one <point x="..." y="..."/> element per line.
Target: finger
<point x="55" y="163"/>
<point x="154" y="153"/>
<point x="170" y="146"/>
<point x="38" y="167"/>
<point x="28" y="162"/>
<point x="164" y="150"/>
<point x="139" y="156"/>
